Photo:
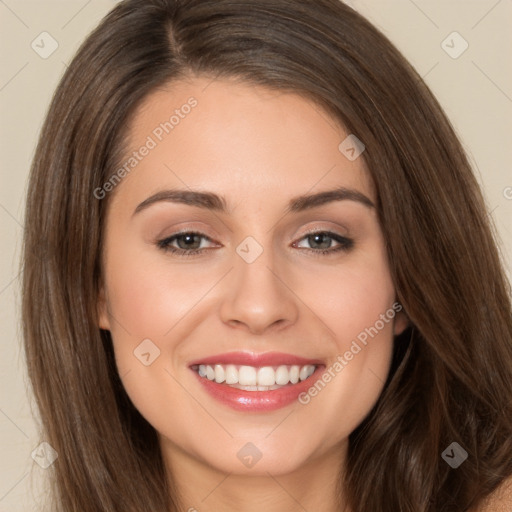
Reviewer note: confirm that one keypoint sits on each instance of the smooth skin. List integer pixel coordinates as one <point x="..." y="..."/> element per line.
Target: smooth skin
<point x="257" y="148"/>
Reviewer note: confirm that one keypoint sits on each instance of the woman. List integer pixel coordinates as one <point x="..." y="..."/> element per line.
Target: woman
<point x="258" y="369"/>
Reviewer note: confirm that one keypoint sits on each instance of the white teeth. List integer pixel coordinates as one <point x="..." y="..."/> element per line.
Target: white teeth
<point x="303" y="373"/>
<point x="247" y="376"/>
<point x="219" y="373"/>
<point x="231" y="374"/>
<point x="251" y="378"/>
<point x="282" y="375"/>
<point x="266" y="376"/>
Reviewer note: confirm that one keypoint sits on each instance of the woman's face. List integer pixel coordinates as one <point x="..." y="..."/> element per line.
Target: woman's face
<point x="288" y="282"/>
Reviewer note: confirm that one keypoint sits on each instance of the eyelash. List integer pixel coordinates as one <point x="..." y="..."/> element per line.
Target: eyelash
<point x="345" y="244"/>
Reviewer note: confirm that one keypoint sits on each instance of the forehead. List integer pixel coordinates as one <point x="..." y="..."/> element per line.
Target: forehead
<point x="247" y="143"/>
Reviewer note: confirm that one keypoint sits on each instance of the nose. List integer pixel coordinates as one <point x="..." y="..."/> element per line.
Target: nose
<point x="258" y="297"/>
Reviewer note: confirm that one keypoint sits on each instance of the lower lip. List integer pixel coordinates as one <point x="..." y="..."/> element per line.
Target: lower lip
<point x="242" y="400"/>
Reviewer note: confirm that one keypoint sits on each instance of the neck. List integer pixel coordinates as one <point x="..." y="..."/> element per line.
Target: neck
<point x="202" y="488"/>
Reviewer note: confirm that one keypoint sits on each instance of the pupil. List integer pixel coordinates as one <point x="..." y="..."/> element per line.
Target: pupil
<point x="188" y="239"/>
<point x="320" y="236"/>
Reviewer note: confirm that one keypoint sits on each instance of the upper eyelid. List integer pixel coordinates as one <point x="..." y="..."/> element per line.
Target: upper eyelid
<point x="201" y="231"/>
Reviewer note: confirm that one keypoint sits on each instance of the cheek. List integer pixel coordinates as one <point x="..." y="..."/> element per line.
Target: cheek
<point x="145" y="304"/>
<point x="351" y="297"/>
<point x="354" y="377"/>
<point x="152" y="300"/>
<point x="148" y="296"/>
<point x="357" y="306"/>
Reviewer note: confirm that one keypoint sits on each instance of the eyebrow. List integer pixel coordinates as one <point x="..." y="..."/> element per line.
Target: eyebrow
<point x="216" y="203"/>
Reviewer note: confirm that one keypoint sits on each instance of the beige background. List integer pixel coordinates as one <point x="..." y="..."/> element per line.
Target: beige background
<point x="475" y="89"/>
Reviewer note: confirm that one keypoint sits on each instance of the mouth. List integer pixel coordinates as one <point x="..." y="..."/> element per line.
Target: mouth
<point x="251" y="378"/>
<point x="256" y="382"/>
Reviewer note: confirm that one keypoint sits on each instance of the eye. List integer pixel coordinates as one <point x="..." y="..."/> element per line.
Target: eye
<point x="324" y="240"/>
<point x="189" y="243"/>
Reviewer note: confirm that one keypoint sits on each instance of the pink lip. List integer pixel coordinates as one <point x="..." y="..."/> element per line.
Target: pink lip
<point x="257" y="401"/>
<point x="251" y="359"/>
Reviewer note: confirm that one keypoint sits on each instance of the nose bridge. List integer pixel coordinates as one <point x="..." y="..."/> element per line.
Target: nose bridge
<point x="258" y="296"/>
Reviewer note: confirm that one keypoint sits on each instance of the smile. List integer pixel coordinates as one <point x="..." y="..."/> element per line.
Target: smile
<point x="251" y="382"/>
<point x="251" y="378"/>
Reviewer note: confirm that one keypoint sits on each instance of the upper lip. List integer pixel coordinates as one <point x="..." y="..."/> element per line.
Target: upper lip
<point x="252" y="359"/>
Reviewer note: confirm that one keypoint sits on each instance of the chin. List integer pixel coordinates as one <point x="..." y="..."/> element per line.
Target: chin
<point x="258" y="457"/>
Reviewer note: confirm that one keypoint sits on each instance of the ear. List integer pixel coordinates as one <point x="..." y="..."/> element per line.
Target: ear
<point x="401" y="322"/>
<point x="102" y="308"/>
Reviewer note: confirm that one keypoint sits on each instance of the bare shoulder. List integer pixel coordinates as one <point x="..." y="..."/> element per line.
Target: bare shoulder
<point x="500" y="500"/>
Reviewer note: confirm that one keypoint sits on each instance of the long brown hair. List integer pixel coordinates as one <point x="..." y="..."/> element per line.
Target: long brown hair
<point x="450" y="379"/>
